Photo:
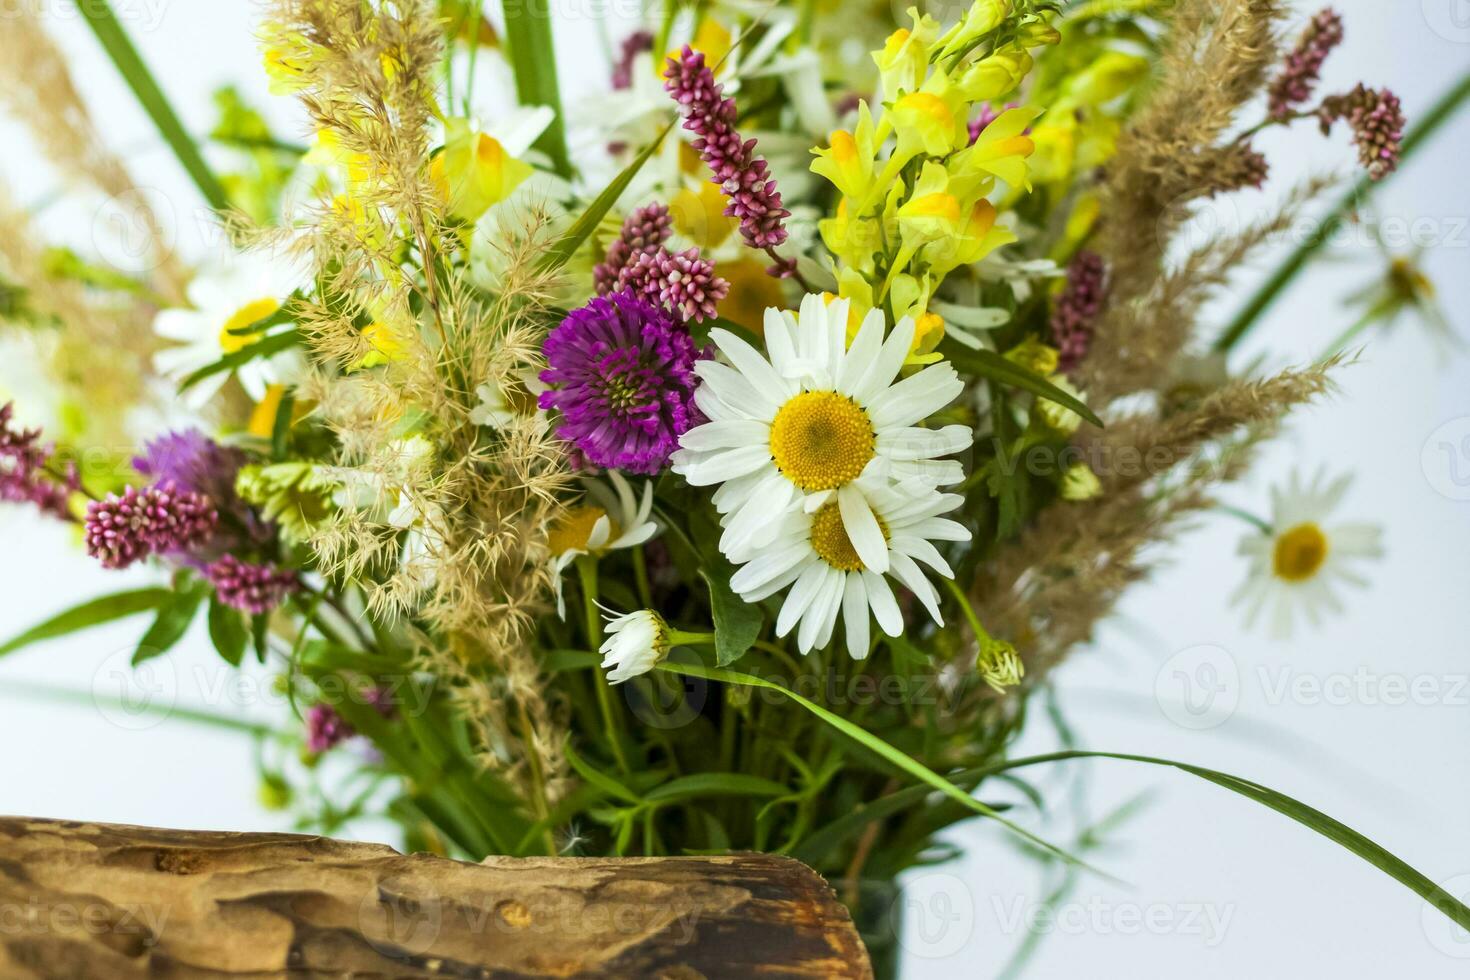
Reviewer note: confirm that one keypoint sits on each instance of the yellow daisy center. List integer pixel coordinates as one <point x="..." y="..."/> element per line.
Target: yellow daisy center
<point x="830" y="540"/>
<point x="574" y="529"/>
<point x="1300" y="553"/>
<point x="252" y="312"/>
<point x="821" y="440"/>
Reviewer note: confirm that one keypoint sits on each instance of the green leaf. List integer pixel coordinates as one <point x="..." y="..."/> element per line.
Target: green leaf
<point x="104" y="610"/>
<point x="162" y="709"/>
<point x="1303" y="814"/>
<point x="878" y="747"/>
<point x="737" y="622"/>
<point x="169" y="626"/>
<point x="119" y="48"/>
<point x="264" y="347"/>
<point x="227" y="632"/>
<point x="532" y="56"/>
<point x="989" y="364"/>
<point x="561" y="253"/>
<point x="600" y="779"/>
<point x="714" y="784"/>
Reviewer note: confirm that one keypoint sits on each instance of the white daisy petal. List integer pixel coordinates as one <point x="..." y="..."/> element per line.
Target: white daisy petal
<point x="751" y="365"/>
<point x="885" y="366"/>
<point x="727" y="434"/>
<point x="862" y="528"/>
<point x="726" y="465"/>
<point x="855" y="616"/>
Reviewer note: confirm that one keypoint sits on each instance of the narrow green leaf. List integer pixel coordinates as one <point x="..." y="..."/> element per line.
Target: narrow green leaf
<point x="1303" y="814"/>
<point x="227" y="632"/>
<point x="737" y="622"/>
<point x="561" y="253"/>
<point x="94" y="613"/>
<point x="264" y="347"/>
<point x="600" y="779"/>
<point x="169" y="626"/>
<point x="878" y="747"/>
<point x="532" y="55"/>
<point x="161" y="709"/>
<point x="989" y="364"/>
<point x="714" y="784"/>
<point x="124" y="55"/>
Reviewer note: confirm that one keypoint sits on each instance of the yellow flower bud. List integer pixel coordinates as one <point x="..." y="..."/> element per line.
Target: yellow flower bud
<point x="982" y="18"/>
<point x="994" y="76"/>
<point x="1079" y="483"/>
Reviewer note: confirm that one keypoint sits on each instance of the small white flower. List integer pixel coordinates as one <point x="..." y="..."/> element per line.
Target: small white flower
<point x="1294" y="566"/>
<point x="243" y="289"/>
<point x="803" y="424"/>
<point x="827" y="573"/>
<point x="611" y="519"/>
<point x="635" y="644"/>
<point x="498" y="407"/>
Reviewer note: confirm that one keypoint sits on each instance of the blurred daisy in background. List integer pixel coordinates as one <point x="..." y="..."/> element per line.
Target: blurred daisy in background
<point x="607" y="519"/>
<point x="1298" y="559"/>
<point x="226" y="300"/>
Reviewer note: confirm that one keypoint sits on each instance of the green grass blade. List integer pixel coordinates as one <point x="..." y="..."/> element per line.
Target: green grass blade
<point x="532" y="55"/>
<point x="1303" y="814"/>
<point x="91" y="699"/>
<point x="561" y="253"/>
<point x="94" y="613"/>
<point x="124" y="55"/>
<point x="878" y="747"/>
<point x="714" y="784"/>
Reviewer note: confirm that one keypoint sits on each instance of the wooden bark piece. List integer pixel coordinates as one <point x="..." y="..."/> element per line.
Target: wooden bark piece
<point x="85" y="900"/>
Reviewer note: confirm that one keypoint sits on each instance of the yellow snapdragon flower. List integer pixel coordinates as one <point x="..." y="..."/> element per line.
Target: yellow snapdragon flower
<point x="983" y="17"/>
<point x="473" y="172"/>
<point x="904" y="58"/>
<point x="850" y="158"/>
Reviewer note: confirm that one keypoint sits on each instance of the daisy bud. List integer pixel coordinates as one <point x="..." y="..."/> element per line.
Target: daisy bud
<point x="635" y="644"/>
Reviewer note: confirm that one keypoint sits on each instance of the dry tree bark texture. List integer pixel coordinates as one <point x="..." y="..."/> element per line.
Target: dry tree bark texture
<point x="88" y="900"/>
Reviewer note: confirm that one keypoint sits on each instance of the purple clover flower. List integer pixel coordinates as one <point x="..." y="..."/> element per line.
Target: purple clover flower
<point x="161" y="519"/>
<point x="744" y="177"/>
<point x="622" y="376"/>
<point x="252" y="589"/>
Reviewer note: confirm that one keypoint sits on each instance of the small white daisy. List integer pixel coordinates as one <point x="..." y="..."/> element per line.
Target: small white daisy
<point x="635" y="644"/>
<point x="821" y="563"/>
<point x="244" y="289"/>
<point x="1296" y="563"/>
<point x="805" y="424"/>
<point x="608" y="520"/>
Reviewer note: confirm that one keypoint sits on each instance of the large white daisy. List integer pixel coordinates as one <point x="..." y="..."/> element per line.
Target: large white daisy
<point x="804" y="422"/>
<point x="827" y="575"/>
<point x="241" y="290"/>
<point x="1296" y="563"/>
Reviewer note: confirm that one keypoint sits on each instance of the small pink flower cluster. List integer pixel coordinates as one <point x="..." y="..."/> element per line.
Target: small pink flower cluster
<point x="682" y="282"/>
<point x="744" y="177"/>
<point x="159" y="520"/>
<point x="1303" y="68"/>
<point x="252" y="589"/>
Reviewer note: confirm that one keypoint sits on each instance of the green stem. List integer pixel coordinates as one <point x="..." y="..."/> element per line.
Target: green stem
<point x="124" y="55"/>
<point x="1346" y="337"/>
<point x="981" y="636"/>
<point x="533" y="57"/>
<point x="587" y="575"/>
<point x="1264" y="297"/>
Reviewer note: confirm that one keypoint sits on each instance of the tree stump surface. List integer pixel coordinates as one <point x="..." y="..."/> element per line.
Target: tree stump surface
<point x="92" y="900"/>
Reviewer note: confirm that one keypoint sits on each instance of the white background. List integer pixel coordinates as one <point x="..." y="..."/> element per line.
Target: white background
<point x="1284" y="902"/>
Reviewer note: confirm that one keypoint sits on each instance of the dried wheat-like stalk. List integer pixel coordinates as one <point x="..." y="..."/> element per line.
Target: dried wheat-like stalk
<point x="1173" y="153"/>
<point x="480" y="503"/>
<point x="37" y="88"/>
<point x="97" y="346"/>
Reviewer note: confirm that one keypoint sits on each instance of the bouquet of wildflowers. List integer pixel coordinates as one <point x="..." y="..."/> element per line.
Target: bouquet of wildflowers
<point x="719" y="461"/>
